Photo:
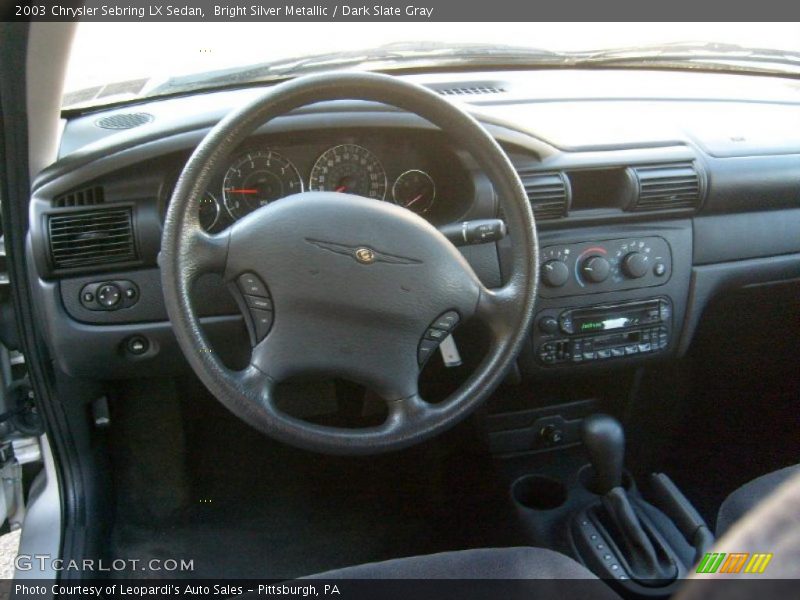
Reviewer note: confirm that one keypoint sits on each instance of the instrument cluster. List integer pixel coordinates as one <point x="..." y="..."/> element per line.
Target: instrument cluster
<point x="429" y="183"/>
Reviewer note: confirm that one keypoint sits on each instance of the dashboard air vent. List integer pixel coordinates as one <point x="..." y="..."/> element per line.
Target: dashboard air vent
<point x="124" y="120"/>
<point x="549" y="193"/>
<point x="670" y="186"/>
<point x="91" y="238"/>
<point x="471" y="90"/>
<point x="83" y="197"/>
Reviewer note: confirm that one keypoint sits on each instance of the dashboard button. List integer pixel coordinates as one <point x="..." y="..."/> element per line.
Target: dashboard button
<point x="447" y="321"/>
<point x="109" y="295"/>
<point x="426" y="348"/>
<point x="595" y="269"/>
<point x="548" y="325"/>
<point x="260" y="303"/>
<point x="436" y="335"/>
<point x="555" y="273"/>
<point x="137" y="345"/>
<point x="252" y="285"/>
<point x="566" y="324"/>
<point x="634" y="265"/>
<point x="262" y="321"/>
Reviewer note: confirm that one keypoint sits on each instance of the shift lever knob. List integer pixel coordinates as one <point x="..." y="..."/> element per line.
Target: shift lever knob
<point x="605" y="441"/>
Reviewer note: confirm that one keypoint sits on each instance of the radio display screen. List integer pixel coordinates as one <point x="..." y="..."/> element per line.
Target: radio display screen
<point x="589" y="321"/>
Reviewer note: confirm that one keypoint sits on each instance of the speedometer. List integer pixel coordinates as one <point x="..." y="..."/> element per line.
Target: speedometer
<point x="256" y="179"/>
<point x="349" y="169"/>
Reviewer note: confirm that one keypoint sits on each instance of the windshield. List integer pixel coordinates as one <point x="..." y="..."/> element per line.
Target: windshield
<point x="117" y="62"/>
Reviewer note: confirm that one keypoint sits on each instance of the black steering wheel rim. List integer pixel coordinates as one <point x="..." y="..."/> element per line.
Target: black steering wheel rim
<point x="187" y="252"/>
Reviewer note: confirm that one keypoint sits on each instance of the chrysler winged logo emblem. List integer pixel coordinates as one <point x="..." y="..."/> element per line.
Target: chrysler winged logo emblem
<point x="363" y="254"/>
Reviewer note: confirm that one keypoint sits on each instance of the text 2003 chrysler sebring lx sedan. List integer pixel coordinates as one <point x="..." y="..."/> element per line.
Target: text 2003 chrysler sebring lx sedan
<point x="417" y="312"/>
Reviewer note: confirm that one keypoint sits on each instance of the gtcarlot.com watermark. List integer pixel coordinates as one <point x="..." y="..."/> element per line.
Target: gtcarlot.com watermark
<point x="44" y="562"/>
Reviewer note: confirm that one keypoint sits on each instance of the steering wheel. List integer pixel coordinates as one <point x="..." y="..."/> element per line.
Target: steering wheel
<point x="341" y="285"/>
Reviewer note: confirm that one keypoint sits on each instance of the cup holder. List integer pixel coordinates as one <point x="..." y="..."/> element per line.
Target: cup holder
<point x="537" y="492"/>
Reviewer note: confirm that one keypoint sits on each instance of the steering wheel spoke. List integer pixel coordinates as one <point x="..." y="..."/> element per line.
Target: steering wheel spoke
<point x="496" y="310"/>
<point x="207" y="253"/>
<point x="406" y="412"/>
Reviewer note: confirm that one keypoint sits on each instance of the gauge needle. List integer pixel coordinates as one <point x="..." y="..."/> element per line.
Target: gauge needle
<point x="414" y="200"/>
<point x="341" y="188"/>
<point x="242" y="191"/>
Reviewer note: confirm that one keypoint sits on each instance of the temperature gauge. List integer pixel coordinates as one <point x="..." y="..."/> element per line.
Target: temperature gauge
<point x="209" y="211"/>
<point x="415" y="190"/>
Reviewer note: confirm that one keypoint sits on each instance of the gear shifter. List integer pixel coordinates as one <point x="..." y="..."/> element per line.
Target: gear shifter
<point x="640" y="550"/>
<point x="605" y="441"/>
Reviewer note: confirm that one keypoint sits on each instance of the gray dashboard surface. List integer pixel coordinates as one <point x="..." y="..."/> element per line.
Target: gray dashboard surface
<point x="743" y="132"/>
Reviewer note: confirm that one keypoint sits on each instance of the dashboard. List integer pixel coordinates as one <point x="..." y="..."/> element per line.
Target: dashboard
<point x="653" y="195"/>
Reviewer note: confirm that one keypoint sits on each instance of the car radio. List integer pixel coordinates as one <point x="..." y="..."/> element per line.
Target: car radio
<point x="603" y="332"/>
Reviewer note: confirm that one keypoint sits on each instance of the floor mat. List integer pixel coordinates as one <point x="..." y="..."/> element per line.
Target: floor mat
<point x="260" y="509"/>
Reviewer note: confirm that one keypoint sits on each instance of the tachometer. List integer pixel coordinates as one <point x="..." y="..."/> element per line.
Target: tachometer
<point x="415" y="191"/>
<point x="350" y="169"/>
<point x="256" y="179"/>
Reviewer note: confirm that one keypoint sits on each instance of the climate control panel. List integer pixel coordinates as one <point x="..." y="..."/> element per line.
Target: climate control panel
<point x="604" y="266"/>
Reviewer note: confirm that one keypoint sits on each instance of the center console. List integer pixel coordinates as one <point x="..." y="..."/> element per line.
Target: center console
<point x="609" y="300"/>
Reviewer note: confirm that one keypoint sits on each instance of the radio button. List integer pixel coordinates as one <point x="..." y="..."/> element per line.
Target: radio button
<point x="548" y="325"/>
<point x="604" y="354"/>
<point x="644" y="347"/>
<point x="588" y="355"/>
<point x="631" y="349"/>
<point x="618" y="351"/>
<point x="666" y="311"/>
<point x="566" y="324"/>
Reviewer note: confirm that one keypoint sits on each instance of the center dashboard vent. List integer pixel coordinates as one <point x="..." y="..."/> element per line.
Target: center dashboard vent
<point x="549" y="193"/>
<point x="88" y="238"/>
<point x="666" y="186"/>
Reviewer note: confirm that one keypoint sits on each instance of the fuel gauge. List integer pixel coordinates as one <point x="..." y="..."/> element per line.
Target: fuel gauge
<point x="415" y="190"/>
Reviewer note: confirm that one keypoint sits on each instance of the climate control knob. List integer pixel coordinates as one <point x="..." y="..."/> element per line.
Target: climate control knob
<point x="635" y="265"/>
<point x="595" y="269"/>
<point x="555" y="273"/>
